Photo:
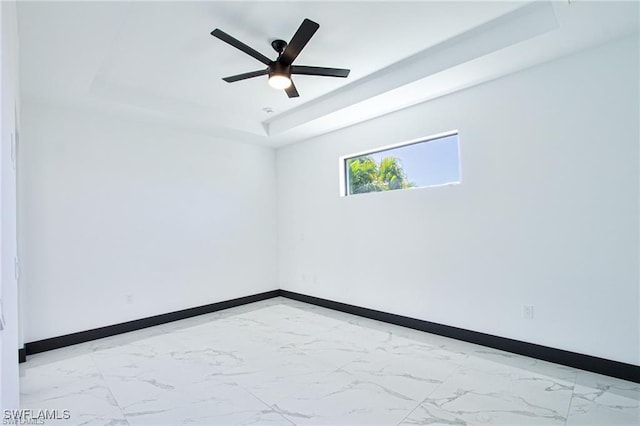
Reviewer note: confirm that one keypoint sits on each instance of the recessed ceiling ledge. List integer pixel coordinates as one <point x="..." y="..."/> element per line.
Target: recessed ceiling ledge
<point x="520" y="25"/>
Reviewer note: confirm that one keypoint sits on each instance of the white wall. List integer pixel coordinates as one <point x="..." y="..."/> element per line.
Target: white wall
<point x="111" y="208"/>
<point x="547" y="212"/>
<point x="8" y="289"/>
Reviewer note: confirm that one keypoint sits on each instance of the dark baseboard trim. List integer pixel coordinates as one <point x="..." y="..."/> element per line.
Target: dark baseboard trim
<point x="604" y="366"/>
<point x="111" y="330"/>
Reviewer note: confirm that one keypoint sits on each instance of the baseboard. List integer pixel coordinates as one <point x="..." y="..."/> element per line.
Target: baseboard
<point x="604" y="366"/>
<point x="125" y="327"/>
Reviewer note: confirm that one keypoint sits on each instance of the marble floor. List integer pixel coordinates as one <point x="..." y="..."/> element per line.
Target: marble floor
<point x="281" y="362"/>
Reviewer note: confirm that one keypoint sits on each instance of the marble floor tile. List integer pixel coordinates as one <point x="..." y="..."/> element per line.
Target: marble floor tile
<point x="600" y="415"/>
<point x="600" y="399"/>
<point x="341" y="398"/>
<point x="414" y="375"/>
<point x="283" y="362"/>
<point x="509" y="397"/>
<point x="86" y="400"/>
<point x="427" y="414"/>
<point x="45" y="377"/>
<point x="203" y="404"/>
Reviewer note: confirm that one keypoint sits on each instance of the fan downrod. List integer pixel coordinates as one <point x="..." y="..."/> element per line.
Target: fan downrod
<point x="279" y="45"/>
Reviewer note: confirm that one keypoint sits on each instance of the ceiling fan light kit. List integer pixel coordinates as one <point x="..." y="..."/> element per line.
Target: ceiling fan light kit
<point x="278" y="81"/>
<point x="280" y="70"/>
<point x="279" y="76"/>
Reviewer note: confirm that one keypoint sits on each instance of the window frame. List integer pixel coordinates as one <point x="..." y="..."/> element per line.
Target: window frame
<point x="344" y="175"/>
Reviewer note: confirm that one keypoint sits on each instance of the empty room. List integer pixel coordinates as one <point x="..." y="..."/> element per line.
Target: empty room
<point x="320" y="213"/>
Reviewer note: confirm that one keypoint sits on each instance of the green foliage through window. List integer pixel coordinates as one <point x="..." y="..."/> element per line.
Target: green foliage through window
<point x="366" y="175"/>
<point x="425" y="162"/>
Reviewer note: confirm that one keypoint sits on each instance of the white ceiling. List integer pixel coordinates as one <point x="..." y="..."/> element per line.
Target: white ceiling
<point x="157" y="62"/>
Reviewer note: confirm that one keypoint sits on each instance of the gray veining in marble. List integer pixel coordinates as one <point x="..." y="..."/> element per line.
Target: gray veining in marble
<point x="281" y="362"/>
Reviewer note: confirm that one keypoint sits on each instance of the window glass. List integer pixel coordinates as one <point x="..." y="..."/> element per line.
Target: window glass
<point x="429" y="162"/>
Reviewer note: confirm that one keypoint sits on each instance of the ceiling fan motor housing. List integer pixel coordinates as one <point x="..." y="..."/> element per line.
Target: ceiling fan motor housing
<point x="277" y="68"/>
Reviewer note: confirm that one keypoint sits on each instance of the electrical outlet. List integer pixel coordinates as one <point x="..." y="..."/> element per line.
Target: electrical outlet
<point x="527" y="312"/>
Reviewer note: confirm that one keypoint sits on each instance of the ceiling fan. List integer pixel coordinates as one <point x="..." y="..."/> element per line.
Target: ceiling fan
<point x="280" y="70"/>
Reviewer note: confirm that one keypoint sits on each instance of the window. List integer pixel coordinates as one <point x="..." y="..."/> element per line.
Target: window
<point x="426" y="162"/>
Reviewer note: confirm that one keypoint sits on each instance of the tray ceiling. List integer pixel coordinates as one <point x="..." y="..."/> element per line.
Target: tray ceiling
<point x="157" y="62"/>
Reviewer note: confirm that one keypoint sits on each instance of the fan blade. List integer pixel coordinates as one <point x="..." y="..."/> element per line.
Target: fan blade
<point x="300" y="39"/>
<point x="240" y="45"/>
<point x="292" y="92"/>
<point x="245" y="76"/>
<point x="326" y="72"/>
